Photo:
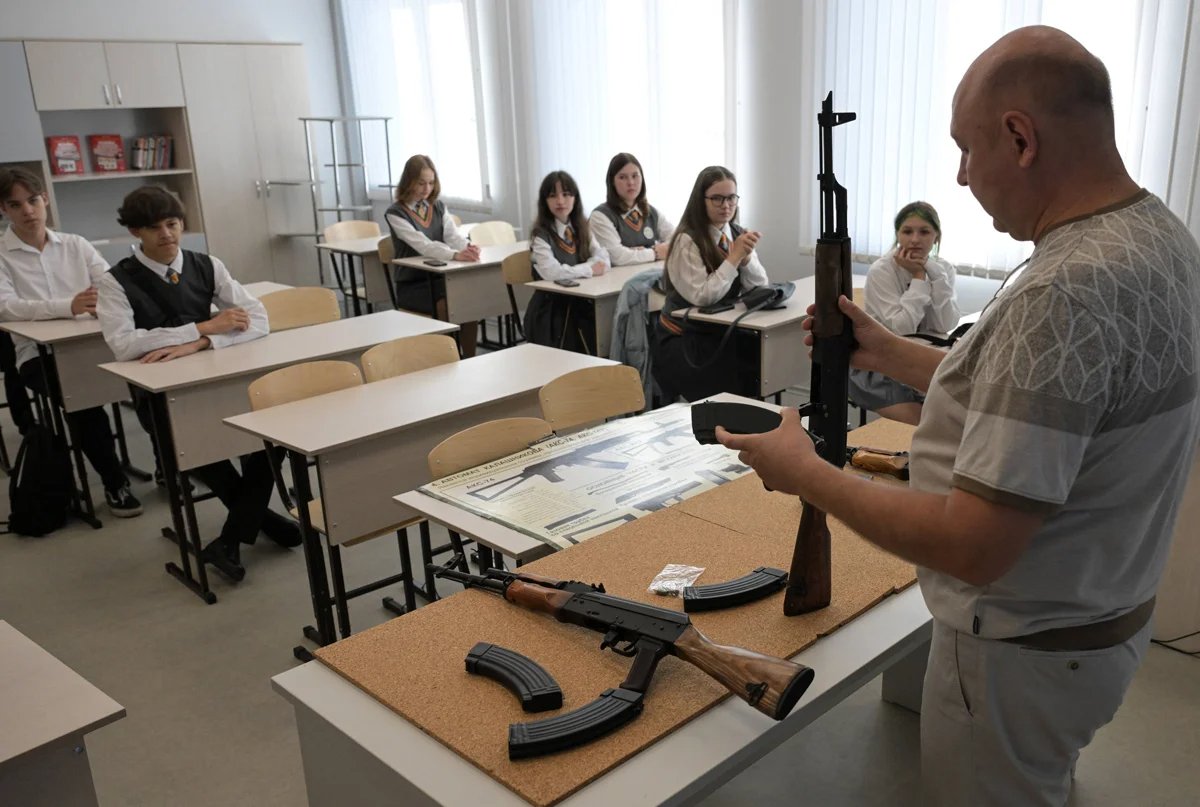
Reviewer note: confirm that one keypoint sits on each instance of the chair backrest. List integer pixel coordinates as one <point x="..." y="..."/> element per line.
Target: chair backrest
<point x="484" y="443"/>
<point x="350" y="230"/>
<point x="590" y="395"/>
<point x="387" y="250"/>
<point x="303" y="305"/>
<point x="301" y="381"/>
<point x="517" y="268"/>
<point x="407" y="355"/>
<point x="491" y="233"/>
<point x="456" y="219"/>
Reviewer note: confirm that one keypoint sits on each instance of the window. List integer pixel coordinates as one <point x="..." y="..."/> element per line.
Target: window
<point x="416" y="61"/>
<point x="649" y="77"/>
<point x="897" y="65"/>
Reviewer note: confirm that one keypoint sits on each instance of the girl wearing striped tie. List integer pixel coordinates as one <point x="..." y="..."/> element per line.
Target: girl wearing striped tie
<point x="711" y="261"/>
<point x="629" y="227"/>
<point x="420" y="225"/>
<point x="563" y="248"/>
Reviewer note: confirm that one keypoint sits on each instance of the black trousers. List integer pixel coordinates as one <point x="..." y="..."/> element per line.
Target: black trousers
<point x="90" y="427"/>
<point x="246" y="495"/>
<point x="14" y="388"/>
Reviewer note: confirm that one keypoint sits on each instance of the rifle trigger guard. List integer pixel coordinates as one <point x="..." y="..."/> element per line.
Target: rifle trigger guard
<point x="622" y="647"/>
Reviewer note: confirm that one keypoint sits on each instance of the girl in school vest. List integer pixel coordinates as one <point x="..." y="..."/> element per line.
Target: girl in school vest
<point x="629" y="227"/>
<point x="562" y="248"/>
<point x="420" y="225"/>
<point x="711" y="260"/>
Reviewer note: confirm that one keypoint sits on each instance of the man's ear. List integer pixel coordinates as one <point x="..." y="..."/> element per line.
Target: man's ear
<point x="1022" y="137"/>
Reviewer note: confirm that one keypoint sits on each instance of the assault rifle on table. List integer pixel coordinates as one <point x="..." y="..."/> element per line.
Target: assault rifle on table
<point x="808" y="585"/>
<point x="645" y="633"/>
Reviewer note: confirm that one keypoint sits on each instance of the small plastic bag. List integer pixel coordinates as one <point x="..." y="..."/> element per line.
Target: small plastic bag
<point x="674" y="578"/>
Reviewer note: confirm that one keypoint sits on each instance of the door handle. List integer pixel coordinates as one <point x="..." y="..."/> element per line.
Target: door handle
<point x="258" y="188"/>
<point x="120" y="98"/>
<point x="107" y="95"/>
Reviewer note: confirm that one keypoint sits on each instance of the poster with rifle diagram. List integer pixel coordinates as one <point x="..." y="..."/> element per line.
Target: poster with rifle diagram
<point x="567" y="489"/>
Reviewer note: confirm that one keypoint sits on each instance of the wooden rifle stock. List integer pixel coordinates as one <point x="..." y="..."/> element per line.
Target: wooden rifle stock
<point x="810" y="579"/>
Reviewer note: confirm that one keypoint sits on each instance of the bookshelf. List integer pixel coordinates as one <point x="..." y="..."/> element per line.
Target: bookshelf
<point x="131" y="173"/>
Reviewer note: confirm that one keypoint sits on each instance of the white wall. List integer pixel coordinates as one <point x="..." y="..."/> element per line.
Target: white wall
<point x="307" y="22"/>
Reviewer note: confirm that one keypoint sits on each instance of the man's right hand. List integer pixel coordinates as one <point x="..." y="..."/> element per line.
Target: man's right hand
<point x="84" y="302"/>
<point x="231" y="319"/>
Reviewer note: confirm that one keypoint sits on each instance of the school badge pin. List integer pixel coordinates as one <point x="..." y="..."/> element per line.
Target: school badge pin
<point x="648" y="232"/>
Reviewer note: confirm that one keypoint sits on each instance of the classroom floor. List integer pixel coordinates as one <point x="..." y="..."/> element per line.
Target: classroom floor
<point x="205" y="728"/>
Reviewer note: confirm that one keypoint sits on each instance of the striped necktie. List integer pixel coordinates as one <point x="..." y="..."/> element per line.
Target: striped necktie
<point x="635" y="218"/>
<point x="569" y="236"/>
<point x="172" y="277"/>
<point x="723" y="244"/>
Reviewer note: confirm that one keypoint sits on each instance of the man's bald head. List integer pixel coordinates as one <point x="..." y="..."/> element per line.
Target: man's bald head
<point x="1046" y="73"/>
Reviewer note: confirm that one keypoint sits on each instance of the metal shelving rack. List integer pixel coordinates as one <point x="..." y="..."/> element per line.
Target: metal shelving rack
<point x="352" y="196"/>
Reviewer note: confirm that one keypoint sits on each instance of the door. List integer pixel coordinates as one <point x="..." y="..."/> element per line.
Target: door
<point x="221" y="122"/>
<point x="69" y="75"/>
<point x="277" y="77"/>
<point x="144" y="74"/>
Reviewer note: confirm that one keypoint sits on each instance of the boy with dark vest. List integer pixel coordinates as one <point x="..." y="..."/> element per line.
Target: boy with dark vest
<point x="157" y="306"/>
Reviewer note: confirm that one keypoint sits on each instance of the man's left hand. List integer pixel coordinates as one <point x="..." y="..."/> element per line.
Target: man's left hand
<point x="779" y="457"/>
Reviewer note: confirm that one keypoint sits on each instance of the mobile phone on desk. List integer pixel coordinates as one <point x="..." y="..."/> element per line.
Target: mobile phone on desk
<point x="567" y="282"/>
<point x="433" y="262"/>
<point x="715" y="308"/>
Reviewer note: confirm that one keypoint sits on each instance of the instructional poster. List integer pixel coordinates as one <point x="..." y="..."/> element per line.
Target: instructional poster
<point x="567" y="489"/>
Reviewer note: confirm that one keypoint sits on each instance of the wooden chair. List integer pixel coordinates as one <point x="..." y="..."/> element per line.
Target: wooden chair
<point x="491" y="233"/>
<point x="593" y="394"/>
<point x="517" y="270"/>
<point x="408" y="355"/>
<point x="400" y="357"/>
<point x="306" y="380"/>
<point x="349" y="231"/>
<point x="304" y="305"/>
<point x="484" y="443"/>
<point x="456" y="219"/>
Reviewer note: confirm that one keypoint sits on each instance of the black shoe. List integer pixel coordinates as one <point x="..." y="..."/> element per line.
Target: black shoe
<point x="282" y="531"/>
<point x="122" y="503"/>
<point x="224" y="558"/>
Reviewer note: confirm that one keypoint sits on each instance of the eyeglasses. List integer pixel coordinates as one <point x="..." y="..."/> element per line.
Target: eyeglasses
<point x="721" y="201"/>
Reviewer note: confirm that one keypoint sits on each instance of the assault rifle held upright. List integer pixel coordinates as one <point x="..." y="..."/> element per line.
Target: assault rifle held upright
<point x="808" y="586"/>
<point x="645" y="633"/>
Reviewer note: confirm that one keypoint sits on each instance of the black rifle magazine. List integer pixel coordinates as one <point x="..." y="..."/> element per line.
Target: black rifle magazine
<point x="613" y="709"/>
<point x="521" y="675"/>
<point x="760" y="583"/>
<point x="735" y="418"/>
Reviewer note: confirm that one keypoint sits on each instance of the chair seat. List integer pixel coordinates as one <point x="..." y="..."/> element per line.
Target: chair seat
<point x="316" y="515"/>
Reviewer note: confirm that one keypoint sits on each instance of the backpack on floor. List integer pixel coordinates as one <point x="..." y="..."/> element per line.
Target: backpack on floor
<point x="41" y="485"/>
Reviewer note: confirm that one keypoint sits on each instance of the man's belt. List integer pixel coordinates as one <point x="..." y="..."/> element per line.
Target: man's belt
<point x="1096" y="636"/>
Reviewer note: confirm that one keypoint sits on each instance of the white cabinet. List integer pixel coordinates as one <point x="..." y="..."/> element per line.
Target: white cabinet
<point x="98" y="75"/>
<point x="20" y="134"/>
<point x="243" y="104"/>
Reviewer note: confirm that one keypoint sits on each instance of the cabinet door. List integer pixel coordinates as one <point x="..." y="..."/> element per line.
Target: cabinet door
<point x="20" y="130"/>
<point x="68" y="75"/>
<point x="277" y="77"/>
<point x="221" y="123"/>
<point x="144" y="74"/>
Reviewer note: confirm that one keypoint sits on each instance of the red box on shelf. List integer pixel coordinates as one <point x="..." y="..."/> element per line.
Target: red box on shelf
<point x="65" y="154"/>
<point x="108" y="152"/>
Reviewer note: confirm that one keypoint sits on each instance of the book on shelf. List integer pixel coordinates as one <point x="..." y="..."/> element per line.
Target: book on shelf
<point x="153" y="152"/>
<point x="66" y="157"/>
<point x="108" y="152"/>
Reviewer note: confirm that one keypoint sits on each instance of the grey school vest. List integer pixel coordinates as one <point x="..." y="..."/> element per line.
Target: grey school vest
<point x="191" y="298"/>
<point x="556" y="247"/>
<point x="676" y="301"/>
<point x="433" y="231"/>
<point x="629" y="236"/>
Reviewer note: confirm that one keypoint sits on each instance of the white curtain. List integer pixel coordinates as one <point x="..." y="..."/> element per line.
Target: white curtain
<point x="416" y="61"/>
<point x="897" y="63"/>
<point x="649" y="77"/>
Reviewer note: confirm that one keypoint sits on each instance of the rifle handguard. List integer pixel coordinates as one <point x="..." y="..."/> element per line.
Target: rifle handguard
<point x="760" y="583"/>
<point x="534" y="687"/>
<point x="613" y="709"/>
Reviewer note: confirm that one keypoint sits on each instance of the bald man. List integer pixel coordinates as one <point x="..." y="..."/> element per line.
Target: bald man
<point x="1055" y="440"/>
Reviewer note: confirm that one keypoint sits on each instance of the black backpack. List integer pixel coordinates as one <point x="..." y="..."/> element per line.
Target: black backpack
<point x="41" y="484"/>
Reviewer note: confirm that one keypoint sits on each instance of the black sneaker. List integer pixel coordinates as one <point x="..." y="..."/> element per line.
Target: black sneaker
<point x="122" y="503"/>
<point x="224" y="559"/>
<point x="281" y="530"/>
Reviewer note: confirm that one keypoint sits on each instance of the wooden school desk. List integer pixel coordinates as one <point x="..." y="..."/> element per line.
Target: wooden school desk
<point x="776" y="336"/>
<point x="602" y="292"/>
<point x="371" y="442"/>
<point x="78" y="348"/>
<point x="376" y="288"/>
<point x="474" y="291"/>
<point x="46" y="709"/>
<point x="191" y="396"/>
<point x="351" y="742"/>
